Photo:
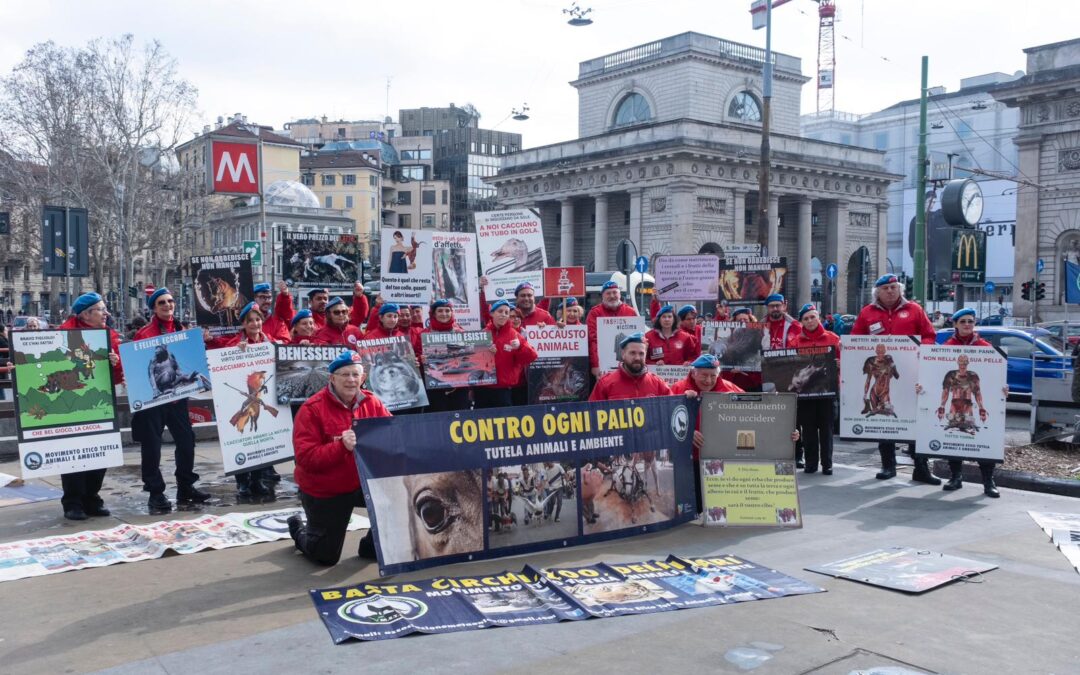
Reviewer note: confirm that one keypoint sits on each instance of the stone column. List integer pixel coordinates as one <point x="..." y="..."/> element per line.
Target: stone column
<point x="1027" y="222"/>
<point x="681" y="203"/>
<point x="738" y="207"/>
<point x="600" y="243"/>
<point x="566" y="234"/>
<point x="803" y="263"/>
<point x="635" y="217"/>
<point x="837" y="245"/>
<point x="882" y="265"/>
<point x="774" y="224"/>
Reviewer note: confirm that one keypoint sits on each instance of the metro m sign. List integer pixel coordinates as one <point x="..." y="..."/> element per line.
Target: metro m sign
<point x="234" y="168"/>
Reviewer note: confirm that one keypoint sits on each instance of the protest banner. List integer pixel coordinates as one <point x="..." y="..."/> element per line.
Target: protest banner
<point x="810" y="372"/>
<point x="609" y="333"/>
<point x="425" y="478"/>
<point x="748" y="426"/>
<point x="748" y="281"/>
<point x="303" y="370"/>
<point x="222" y="286"/>
<point x="670" y="374"/>
<point x="392" y="373"/>
<point x="878" y="374"/>
<point x="686" y="278"/>
<point x="244" y="389"/>
<point x="316" y="260"/>
<point x="903" y="569"/>
<point x="561" y="371"/>
<point x="165" y="368"/>
<point x="564" y="282"/>
<point x="961" y="413"/>
<point x="762" y="494"/>
<point x="546" y="595"/>
<point x="421" y="266"/>
<point x="737" y="345"/>
<point x="65" y="405"/>
<point x="457" y="359"/>
<point x="511" y="250"/>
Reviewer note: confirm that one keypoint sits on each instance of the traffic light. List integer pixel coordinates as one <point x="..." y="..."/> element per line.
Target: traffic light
<point x="133" y="291"/>
<point x="1025" y="290"/>
<point x="1040" y="290"/>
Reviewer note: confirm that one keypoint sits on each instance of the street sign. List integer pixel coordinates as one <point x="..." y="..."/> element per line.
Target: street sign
<point x="989" y="287"/>
<point x="149" y="289"/>
<point x="254" y="249"/>
<point x="1040" y="265"/>
<point x="831" y="271"/>
<point x="234" y="168"/>
<point x="641" y="264"/>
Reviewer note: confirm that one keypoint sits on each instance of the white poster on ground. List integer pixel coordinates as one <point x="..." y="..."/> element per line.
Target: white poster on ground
<point x="511" y="250"/>
<point x="878" y="374"/>
<point x="609" y="333"/>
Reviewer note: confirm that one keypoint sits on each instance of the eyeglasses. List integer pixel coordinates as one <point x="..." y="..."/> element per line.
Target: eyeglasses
<point x="339" y="311"/>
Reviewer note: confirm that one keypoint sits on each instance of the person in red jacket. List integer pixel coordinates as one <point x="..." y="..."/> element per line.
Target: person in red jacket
<point x="302" y="328"/>
<point x="782" y="328"/>
<point x="688" y="323"/>
<point x="326" y="474"/>
<point x="815" y="415"/>
<point x="572" y="312"/>
<point x="743" y="314"/>
<point x="631" y="379"/>
<point x="148" y="425"/>
<point x="524" y="300"/>
<point x="278" y="313"/>
<point x="668" y="345"/>
<point x="723" y="312"/>
<point x="444" y="400"/>
<point x="387" y="327"/>
<point x="317" y="299"/>
<point x="338" y="330"/>
<point x="81" y="498"/>
<point x="892" y="314"/>
<point x="513" y="354"/>
<point x="611" y="305"/>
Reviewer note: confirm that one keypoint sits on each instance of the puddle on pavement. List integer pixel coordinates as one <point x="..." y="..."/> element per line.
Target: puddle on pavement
<point x="753" y="655"/>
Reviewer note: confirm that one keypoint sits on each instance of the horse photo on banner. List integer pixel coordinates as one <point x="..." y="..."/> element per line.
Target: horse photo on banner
<point x="222" y="286"/>
<point x="315" y="260"/>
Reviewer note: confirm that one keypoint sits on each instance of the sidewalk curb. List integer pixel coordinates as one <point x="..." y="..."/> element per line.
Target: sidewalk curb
<point x="1017" y="480"/>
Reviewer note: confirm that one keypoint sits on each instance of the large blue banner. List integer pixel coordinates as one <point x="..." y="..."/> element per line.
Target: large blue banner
<point x="468" y="485"/>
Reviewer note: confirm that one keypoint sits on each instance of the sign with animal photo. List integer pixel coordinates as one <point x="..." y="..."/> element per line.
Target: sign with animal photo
<point x="392" y="374"/>
<point x="455" y="359"/>
<point x="686" y="278"/>
<point x="761" y="494"/>
<point x="223" y="286"/>
<point x="303" y="370"/>
<point x="748" y="426"/>
<point x="961" y="402"/>
<point x="748" y="281"/>
<point x="511" y="250"/>
<point x="165" y="368"/>
<point x="737" y="345"/>
<point x="65" y="405"/>
<point x="610" y="331"/>
<point x="903" y="569"/>
<point x="317" y="260"/>
<point x="449" y="487"/>
<point x="878" y="374"/>
<point x="561" y="371"/>
<point x="254" y="430"/>
<point x="810" y="372"/>
<point x="420" y="266"/>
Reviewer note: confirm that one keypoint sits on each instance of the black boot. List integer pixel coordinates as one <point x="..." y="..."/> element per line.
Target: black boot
<point x="989" y="488"/>
<point x="888" y="463"/>
<point x="158" y="503"/>
<point x="956" y="476"/>
<point x="192" y="494"/>
<point x="922" y="474"/>
<point x="243" y="485"/>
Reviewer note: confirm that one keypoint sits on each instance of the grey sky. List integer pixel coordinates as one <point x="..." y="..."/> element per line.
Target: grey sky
<point x="278" y="61"/>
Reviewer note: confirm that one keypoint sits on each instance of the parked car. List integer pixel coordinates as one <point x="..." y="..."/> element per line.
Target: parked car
<point x="1019" y="344"/>
<point x="1057" y="329"/>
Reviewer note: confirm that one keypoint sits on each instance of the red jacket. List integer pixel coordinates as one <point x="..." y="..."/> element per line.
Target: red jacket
<point x="676" y="350"/>
<point x="324" y="468"/>
<point x="906" y="318"/>
<point x="276" y="326"/>
<point x="233" y="340"/>
<point x="510" y="365"/>
<point x="973" y="341"/>
<point x="539" y="316"/>
<point x="782" y="332"/>
<point x="356" y="314"/>
<point x="156" y="327"/>
<point x="619" y="384"/>
<point x="378" y="333"/>
<point x="73" y="323"/>
<point x="819" y="338"/>
<point x="590" y="321"/>
<point x="722" y="386"/>
<point x="329" y="335"/>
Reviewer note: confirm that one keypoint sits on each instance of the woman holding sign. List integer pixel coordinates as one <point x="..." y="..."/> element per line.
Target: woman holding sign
<point x="668" y="344"/>
<point x="442" y="320"/>
<point x="815" y="415"/>
<point x="513" y="354"/>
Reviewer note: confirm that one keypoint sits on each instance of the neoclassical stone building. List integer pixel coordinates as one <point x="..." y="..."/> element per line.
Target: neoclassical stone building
<point x="667" y="155"/>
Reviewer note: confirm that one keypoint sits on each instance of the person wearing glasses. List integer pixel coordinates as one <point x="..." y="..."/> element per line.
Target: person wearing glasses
<point x="148" y="425"/>
<point x="326" y="473"/>
<point x="338" y="330"/>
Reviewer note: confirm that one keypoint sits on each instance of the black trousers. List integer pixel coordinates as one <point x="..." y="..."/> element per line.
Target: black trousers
<point x="519" y="395"/>
<point x="492" y="397"/>
<point x="147" y="426"/>
<point x="815" y="419"/>
<point x="81" y="489"/>
<point x="322" y="538"/>
<point x="447" y="400"/>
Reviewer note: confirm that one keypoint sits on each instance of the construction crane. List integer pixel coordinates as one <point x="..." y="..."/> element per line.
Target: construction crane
<point x="826" y="56"/>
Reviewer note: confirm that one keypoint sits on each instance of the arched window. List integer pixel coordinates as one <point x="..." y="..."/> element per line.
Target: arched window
<point x="634" y="109"/>
<point x="745" y="107"/>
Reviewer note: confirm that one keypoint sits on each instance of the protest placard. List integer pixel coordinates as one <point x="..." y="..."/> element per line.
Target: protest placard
<point x="748" y="281"/>
<point x="878" y="374"/>
<point x="458" y="359"/>
<point x="320" y="260"/>
<point x="512" y="251"/>
<point x="222" y="286"/>
<point x="165" y="368"/>
<point x="561" y="371"/>
<point x="609" y="333"/>
<point x="392" y="372"/>
<point x="685" y="278"/>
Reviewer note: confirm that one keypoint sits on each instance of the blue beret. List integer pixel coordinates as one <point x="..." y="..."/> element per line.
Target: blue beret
<point x="664" y="310"/>
<point x="85" y="302"/>
<point x="345" y="358"/>
<point x="967" y="311"/>
<point x="741" y="310"/>
<point x="155" y="295"/>
<point x="247" y="308"/>
<point x="522" y="286"/>
<point x="775" y="297"/>
<point x="607" y="285"/>
<point x="313" y="291"/>
<point x="808" y="307"/>
<point x="684" y="310"/>
<point x="388" y="307"/>
<point x="886" y="279"/>
<point x="500" y="303"/>
<point x="262" y="288"/>
<point x="302" y="314"/>
<point x="336" y="300"/>
<point x="632" y="337"/>
<point x="570" y="302"/>
<point x="441" y="302"/>
<point x="706" y="361"/>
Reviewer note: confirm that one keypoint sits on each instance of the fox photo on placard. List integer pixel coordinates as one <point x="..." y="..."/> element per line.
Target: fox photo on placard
<point x="222" y="286"/>
<point x="878" y="374"/>
<point x="303" y="370"/>
<point x="314" y="260"/>
<point x="458" y="359"/>
<point x="736" y="344"/>
<point x="610" y="331"/>
<point x="748" y="281"/>
<point x="165" y="368"/>
<point x="962" y="402"/>
<point x="809" y="372"/>
<point x="392" y="373"/>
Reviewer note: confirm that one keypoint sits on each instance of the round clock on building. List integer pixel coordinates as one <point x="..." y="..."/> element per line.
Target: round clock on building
<point x="962" y="202"/>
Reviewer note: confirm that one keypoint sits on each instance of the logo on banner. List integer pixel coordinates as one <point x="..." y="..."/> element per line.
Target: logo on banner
<point x="235" y="167"/>
<point x="269" y="521"/>
<point x="935" y="446"/>
<point x="857" y="429"/>
<point x="378" y="610"/>
<point x="33" y="461"/>
<point x="680" y="422"/>
<point x="240" y="459"/>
